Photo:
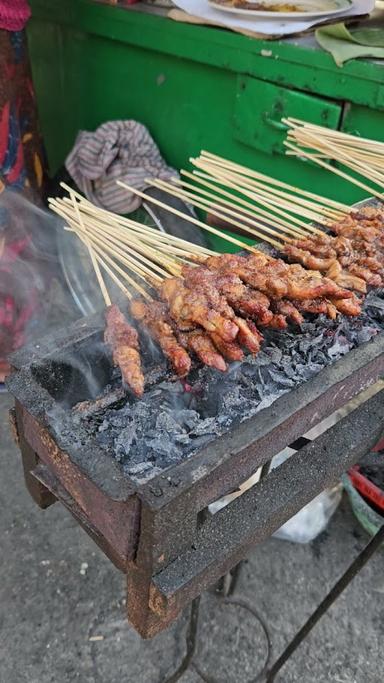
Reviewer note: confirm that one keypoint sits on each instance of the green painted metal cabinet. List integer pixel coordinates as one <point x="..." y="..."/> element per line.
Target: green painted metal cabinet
<point x="194" y="87"/>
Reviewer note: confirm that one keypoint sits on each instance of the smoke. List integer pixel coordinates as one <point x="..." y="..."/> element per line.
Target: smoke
<point x="33" y="297"/>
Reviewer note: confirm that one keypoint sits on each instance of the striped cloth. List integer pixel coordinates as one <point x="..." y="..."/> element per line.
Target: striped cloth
<point x="14" y="14"/>
<point x="117" y="150"/>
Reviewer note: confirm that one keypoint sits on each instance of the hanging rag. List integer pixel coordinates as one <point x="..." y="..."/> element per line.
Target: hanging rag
<point x="117" y="150"/>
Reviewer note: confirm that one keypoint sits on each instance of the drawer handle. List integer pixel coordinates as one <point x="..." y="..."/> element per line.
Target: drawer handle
<point x="275" y="124"/>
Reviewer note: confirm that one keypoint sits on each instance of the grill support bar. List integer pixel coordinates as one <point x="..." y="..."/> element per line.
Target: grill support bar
<point x="269" y="675"/>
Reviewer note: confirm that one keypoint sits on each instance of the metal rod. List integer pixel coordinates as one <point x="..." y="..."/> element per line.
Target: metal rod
<point x="360" y="561"/>
<point x="243" y="603"/>
<point x="190" y="639"/>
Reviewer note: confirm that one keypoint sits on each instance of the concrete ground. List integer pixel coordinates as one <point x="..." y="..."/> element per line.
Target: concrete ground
<point x="62" y="604"/>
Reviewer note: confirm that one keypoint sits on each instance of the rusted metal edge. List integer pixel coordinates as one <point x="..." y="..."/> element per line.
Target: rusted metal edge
<point x="93" y="463"/>
<point x="233" y="457"/>
<point x="227" y="537"/>
<point x="44" y="475"/>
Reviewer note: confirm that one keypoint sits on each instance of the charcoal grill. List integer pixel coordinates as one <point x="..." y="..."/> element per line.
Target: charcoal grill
<point x="159" y="532"/>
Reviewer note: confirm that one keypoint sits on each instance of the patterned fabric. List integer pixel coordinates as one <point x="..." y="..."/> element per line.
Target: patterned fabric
<point x="14" y="14"/>
<point x="21" y="158"/>
<point x="21" y="169"/>
<point x="117" y="150"/>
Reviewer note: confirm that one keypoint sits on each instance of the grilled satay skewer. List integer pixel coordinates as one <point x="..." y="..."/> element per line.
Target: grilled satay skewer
<point x="123" y="341"/>
<point x="204" y="282"/>
<point x="244" y="300"/>
<point x="189" y="307"/>
<point x="155" y="318"/>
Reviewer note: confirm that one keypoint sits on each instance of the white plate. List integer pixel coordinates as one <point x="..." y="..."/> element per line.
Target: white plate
<point x="340" y="6"/>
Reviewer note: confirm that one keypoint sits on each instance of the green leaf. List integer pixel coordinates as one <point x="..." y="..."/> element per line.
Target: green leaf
<point x="344" y="44"/>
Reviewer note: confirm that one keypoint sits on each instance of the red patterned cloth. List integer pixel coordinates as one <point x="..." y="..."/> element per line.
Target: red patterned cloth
<point x="14" y="14"/>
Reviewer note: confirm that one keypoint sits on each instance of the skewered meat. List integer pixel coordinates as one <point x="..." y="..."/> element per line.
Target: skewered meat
<point x="325" y="252"/>
<point x="372" y="279"/>
<point x="288" y="310"/>
<point x="350" y="307"/>
<point x="229" y="350"/>
<point x="211" y="285"/>
<point x="345" y="279"/>
<point x="241" y="298"/>
<point x="248" y="335"/>
<point x="250" y="272"/>
<point x="203" y="347"/>
<point x="123" y="341"/>
<point x="277" y="279"/>
<point x="190" y="307"/>
<point x="278" y="322"/>
<point x="155" y="318"/>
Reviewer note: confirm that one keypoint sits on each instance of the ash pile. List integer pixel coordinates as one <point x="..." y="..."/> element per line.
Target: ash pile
<point x="173" y="420"/>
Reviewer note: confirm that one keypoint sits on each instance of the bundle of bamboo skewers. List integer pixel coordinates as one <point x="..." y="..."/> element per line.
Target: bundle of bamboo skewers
<point x="180" y="303"/>
<point x="363" y="156"/>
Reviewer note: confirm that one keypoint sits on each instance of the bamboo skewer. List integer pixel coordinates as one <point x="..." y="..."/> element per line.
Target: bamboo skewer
<point x="227" y="216"/>
<point x="122" y="222"/>
<point x="101" y="255"/>
<point x="202" y="203"/>
<point x="101" y="261"/>
<point x="272" y="181"/>
<point x="190" y="219"/>
<point x="263" y="196"/>
<point x="306" y="139"/>
<point x="330" y="132"/>
<point x="363" y="156"/>
<point x="272" y="192"/>
<point x="230" y="179"/>
<point x="250" y="209"/>
<point x="122" y="235"/>
<point x="296" y="151"/>
<point x="88" y="207"/>
<point x="280" y="197"/>
<point x="139" y="252"/>
<point x="96" y="267"/>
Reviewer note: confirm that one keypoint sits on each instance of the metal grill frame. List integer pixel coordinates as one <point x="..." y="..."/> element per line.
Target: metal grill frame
<point x="159" y="533"/>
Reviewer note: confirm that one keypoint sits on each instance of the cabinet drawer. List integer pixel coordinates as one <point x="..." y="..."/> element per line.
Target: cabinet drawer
<point x="260" y="106"/>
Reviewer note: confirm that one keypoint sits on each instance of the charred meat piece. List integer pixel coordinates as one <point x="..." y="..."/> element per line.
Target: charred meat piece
<point x="123" y="341"/>
<point x="310" y="284"/>
<point x="332" y="310"/>
<point x="188" y="306"/>
<point x="277" y="279"/>
<point x="249" y="336"/>
<point x="229" y="350"/>
<point x="351" y="307"/>
<point x="250" y="270"/>
<point x="200" y="343"/>
<point x="240" y="297"/>
<point x="349" y="253"/>
<point x="316" y="306"/>
<point x="278" y="322"/>
<point x="222" y="291"/>
<point x="346" y="279"/>
<point x="289" y="310"/>
<point x="299" y="254"/>
<point x="154" y="317"/>
<point x="372" y="279"/>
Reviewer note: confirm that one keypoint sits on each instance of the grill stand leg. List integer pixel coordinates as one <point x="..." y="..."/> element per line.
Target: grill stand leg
<point x="356" y="566"/>
<point x="191" y="640"/>
<point x="227" y="589"/>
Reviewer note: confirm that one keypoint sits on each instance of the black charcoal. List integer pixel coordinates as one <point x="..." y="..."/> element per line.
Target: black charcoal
<point x="174" y="420"/>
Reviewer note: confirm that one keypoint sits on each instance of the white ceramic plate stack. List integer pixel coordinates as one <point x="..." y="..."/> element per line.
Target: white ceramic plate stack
<point x="304" y="9"/>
